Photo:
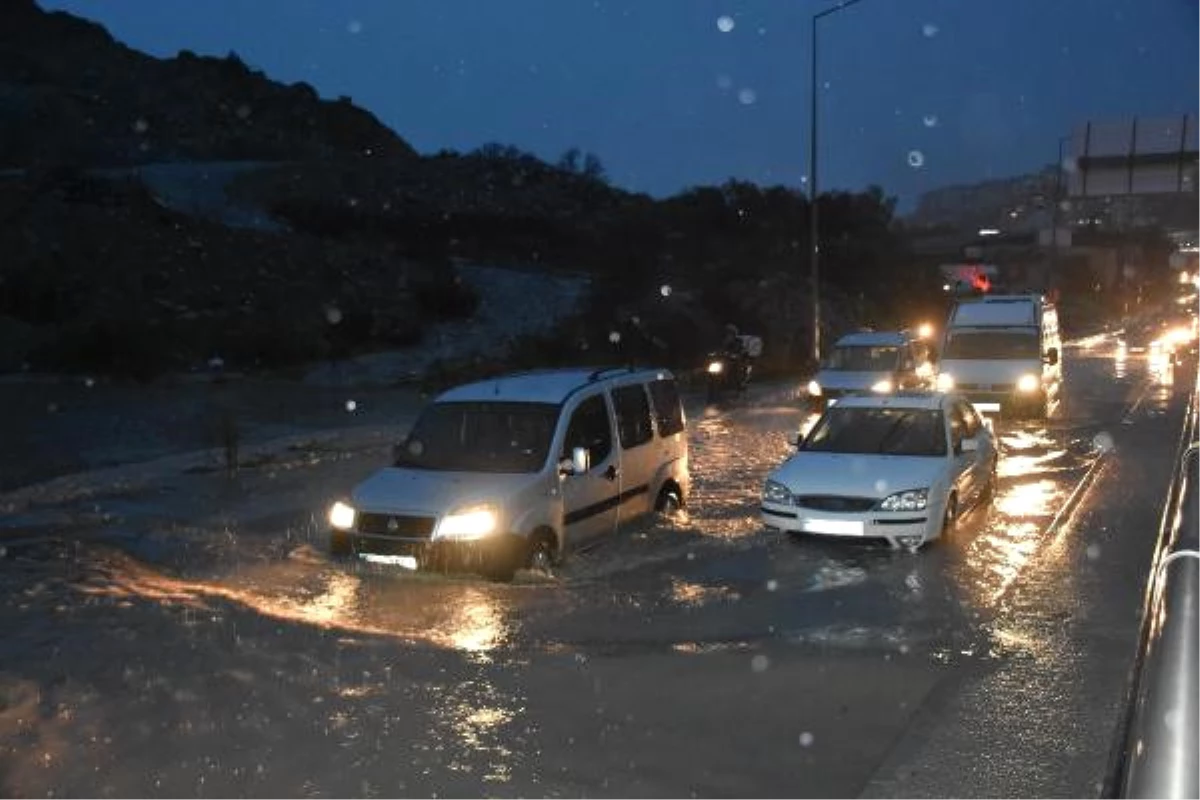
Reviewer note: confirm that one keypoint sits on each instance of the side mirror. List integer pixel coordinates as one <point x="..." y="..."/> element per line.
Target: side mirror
<point x="1052" y="356"/>
<point x="579" y="462"/>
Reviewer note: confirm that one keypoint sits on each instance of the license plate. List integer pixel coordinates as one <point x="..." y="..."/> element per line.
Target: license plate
<point x="407" y="562"/>
<point x="841" y="527"/>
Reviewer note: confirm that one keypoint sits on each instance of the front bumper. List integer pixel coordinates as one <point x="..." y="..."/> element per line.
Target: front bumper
<point x="890" y="525"/>
<point x="501" y="548"/>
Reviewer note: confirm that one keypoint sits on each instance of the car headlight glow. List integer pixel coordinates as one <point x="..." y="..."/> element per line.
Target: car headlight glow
<point x="912" y="500"/>
<point x="715" y="368"/>
<point x="776" y="492"/>
<point x="814" y="389"/>
<point x="945" y="382"/>
<point x="475" y="522"/>
<point x="341" y="516"/>
<point x="1028" y="383"/>
<point x="882" y="387"/>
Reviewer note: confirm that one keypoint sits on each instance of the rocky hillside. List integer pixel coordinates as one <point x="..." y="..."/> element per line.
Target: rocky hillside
<point x="70" y="94"/>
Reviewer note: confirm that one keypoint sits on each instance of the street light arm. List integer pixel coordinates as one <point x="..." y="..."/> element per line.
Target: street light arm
<point x="836" y="8"/>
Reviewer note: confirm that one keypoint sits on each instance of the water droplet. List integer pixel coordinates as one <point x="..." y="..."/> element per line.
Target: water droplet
<point x="916" y="159"/>
<point x="806" y="739"/>
<point x="1093" y="551"/>
<point x="747" y="97"/>
<point x="615" y="337"/>
<point x="354" y="26"/>
<point x="762" y="31"/>
<point x="89" y="382"/>
<point x="930" y="120"/>
<point x="929" y="29"/>
<point x="243" y="111"/>
<point x="141" y="126"/>
<point x="691" y="556"/>
<point x="724" y="82"/>
<point x="665" y="290"/>
<point x="1172" y="720"/>
<point x="881" y="485"/>
<point x="52" y="408"/>
<point x="725" y="24"/>
<point x="333" y="315"/>
<point x="904" y="649"/>
<point x="772" y="585"/>
<point x="351" y="405"/>
<point x="760" y="663"/>
<point x="1104" y="442"/>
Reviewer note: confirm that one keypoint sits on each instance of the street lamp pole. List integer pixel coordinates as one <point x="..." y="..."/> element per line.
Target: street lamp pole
<point x="1058" y="174"/>
<point x="814" y="252"/>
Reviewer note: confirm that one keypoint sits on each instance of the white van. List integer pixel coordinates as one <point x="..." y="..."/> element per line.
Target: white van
<point x="518" y="470"/>
<point x="1002" y="352"/>
<point x="871" y="362"/>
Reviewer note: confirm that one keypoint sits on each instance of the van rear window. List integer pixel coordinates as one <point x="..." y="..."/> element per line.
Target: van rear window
<point x="668" y="412"/>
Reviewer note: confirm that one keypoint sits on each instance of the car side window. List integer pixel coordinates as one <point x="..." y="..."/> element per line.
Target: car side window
<point x="590" y="428"/>
<point x="633" y="416"/>
<point x="668" y="411"/>
<point x="958" y="425"/>
<point x="970" y="419"/>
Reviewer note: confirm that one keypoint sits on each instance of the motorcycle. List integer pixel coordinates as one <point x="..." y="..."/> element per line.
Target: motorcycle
<point x="727" y="374"/>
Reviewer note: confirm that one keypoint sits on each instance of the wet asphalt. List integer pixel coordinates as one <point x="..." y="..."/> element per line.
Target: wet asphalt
<point x="187" y="635"/>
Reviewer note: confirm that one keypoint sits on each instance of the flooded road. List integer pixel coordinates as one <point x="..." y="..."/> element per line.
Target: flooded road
<point x="191" y="637"/>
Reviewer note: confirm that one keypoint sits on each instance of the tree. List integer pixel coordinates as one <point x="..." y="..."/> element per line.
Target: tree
<point x="593" y="168"/>
<point x="569" y="161"/>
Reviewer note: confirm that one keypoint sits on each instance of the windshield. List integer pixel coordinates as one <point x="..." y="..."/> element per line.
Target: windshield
<point x="992" y="345"/>
<point x="859" y="358"/>
<point x="480" y="437"/>
<point x="879" y="431"/>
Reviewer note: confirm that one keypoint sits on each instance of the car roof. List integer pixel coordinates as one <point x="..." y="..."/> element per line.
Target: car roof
<point x="546" y="386"/>
<point x="922" y="400"/>
<point x="874" y="339"/>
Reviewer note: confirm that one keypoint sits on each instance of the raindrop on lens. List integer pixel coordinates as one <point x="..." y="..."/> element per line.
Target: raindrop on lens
<point x="1093" y="552"/>
<point x="772" y="585"/>
<point x="614" y="337"/>
<point x="1103" y="442"/>
<point x="351" y="405"/>
<point x="333" y="315"/>
<point x="929" y="29"/>
<point x="916" y="159"/>
<point x="747" y="97"/>
<point x="725" y="24"/>
<point x="760" y="663"/>
<point x="664" y="290"/>
<point x="354" y="26"/>
<point x="930" y="120"/>
<point x="806" y="739"/>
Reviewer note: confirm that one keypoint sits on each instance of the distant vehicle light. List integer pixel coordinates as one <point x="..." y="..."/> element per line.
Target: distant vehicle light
<point x="1028" y="384"/>
<point x="945" y="382"/>
<point x="1184" y="277"/>
<point x="814" y="389"/>
<point x="925" y="330"/>
<point x="882" y="387"/>
<point x="925" y="370"/>
<point x="989" y="232"/>
<point x="715" y="368"/>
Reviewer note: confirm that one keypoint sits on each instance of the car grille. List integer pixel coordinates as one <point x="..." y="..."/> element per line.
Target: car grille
<point x="985" y="387"/>
<point x="825" y="502"/>
<point x="398" y="525"/>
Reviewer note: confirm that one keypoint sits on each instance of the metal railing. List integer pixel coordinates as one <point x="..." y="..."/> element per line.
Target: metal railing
<point x="1156" y="751"/>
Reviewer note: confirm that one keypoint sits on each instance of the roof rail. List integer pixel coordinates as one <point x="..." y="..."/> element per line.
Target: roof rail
<point x="600" y="372"/>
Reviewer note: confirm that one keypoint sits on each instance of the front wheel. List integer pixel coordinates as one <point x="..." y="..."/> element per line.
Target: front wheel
<point x="669" y="503"/>
<point x="950" y="518"/>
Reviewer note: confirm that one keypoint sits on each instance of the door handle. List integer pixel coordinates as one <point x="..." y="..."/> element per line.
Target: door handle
<point x="611" y="473"/>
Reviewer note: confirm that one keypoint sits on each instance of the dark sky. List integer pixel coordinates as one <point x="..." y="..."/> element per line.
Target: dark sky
<point x="963" y="89"/>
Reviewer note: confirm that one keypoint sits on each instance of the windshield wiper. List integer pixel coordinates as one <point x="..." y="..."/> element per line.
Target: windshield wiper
<point x="892" y="430"/>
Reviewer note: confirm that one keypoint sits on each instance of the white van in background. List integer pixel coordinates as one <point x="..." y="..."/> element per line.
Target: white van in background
<point x="515" y="471"/>
<point x="1003" y="353"/>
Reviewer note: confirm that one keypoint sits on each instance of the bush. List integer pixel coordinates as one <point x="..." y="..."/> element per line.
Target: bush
<point x="127" y="348"/>
<point x="446" y="298"/>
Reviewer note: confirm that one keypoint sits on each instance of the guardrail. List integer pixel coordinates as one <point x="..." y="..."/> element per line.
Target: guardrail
<point x="1156" y="750"/>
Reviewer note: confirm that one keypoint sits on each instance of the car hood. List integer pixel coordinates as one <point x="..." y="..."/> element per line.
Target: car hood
<point x="855" y="475"/>
<point x="846" y="380"/>
<point x="404" y="490"/>
<point x="1006" y="370"/>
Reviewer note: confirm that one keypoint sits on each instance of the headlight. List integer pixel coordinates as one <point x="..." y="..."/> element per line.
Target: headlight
<point x="468" y="523"/>
<point x="1028" y="383"/>
<point x="776" y="492"/>
<point x="882" y="387"/>
<point x="945" y="382"/>
<point x="715" y="367"/>
<point x="341" y="516"/>
<point x="814" y="389"/>
<point x="925" y="330"/>
<point x="913" y="500"/>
